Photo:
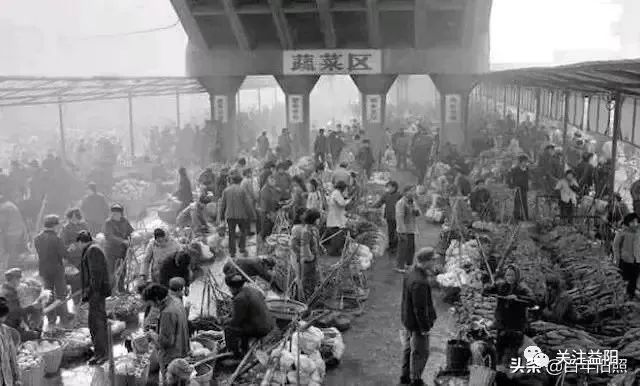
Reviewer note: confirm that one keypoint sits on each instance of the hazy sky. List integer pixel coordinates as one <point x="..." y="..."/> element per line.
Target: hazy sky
<point x="74" y="37"/>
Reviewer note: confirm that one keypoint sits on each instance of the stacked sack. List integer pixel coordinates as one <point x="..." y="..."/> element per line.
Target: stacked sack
<point x="311" y="366"/>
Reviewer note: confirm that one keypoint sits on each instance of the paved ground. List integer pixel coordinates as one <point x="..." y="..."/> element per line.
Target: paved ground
<point x="373" y="350"/>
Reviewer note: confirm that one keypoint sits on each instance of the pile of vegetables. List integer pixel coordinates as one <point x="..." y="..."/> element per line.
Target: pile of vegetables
<point x="462" y="265"/>
<point x="28" y="359"/>
<point x="306" y="164"/>
<point x="131" y="365"/>
<point x="474" y="306"/>
<point x="553" y="337"/>
<point x="437" y="212"/>
<point x="363" y="256"/>
<point x="131" y="189"/>
<point x="533" y="264"/>
<point x="367" y="233"/>
<point x="124" y="307"/>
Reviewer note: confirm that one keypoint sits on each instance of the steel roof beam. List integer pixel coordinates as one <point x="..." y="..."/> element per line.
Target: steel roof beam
<point x="326" y="20"/>
<point x="282" y="25"/>
<point x="236" y="25"/>
<point x="373" y="23"/>
<point x="189" y="23"/>
<point x="420" y="29"/>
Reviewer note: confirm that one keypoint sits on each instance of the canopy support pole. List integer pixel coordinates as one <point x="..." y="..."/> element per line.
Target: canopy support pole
<point x="259" y="100"/>
<point x="178" y="110"/>
<point x="617" y="113"/>
<point x="131" y="139"/>
<point x="538" y="106"/>
<point x="565" y="128"/>
<point x="518" y="106"/>
<point x="504" y="105"/>
<point x="63" y="142"/>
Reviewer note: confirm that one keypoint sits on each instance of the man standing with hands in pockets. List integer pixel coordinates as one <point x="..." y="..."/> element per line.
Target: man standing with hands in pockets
<point x="418" y="317"/>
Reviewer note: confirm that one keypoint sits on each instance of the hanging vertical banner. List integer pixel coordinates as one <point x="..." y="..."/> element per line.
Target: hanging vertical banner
<point x="373" y="105"/>
<point x="295" y="104"/>
<point x="453" y="102"/>
<point x="221" y="108"/>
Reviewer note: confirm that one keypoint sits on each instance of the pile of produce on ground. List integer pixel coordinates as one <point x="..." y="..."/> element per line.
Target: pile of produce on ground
<point x="367" y="233"/>
<point x="463" y="262"/>
<point x="134" y="195"/>
<point x="475" y="306"/>
<point x="494" y="164"/>
<point x="133" y="367"/>
<point x="124" y="307"/>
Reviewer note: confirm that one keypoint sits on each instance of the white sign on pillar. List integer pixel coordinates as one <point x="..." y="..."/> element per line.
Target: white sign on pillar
<point x="221" y="108"/>
<point x="295" y="104"/>
<point x="373" y="109"/>
<point x="453" y="103"/>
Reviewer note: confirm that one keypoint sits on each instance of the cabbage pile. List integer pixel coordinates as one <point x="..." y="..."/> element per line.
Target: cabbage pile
<point x="131" y="189"/>
<point x="462" y="265"/>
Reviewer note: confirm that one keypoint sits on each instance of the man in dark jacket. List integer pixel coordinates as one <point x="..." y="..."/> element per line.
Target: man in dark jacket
<point x="268" y="204"/>
<point x="320" y="146"/>
<point x="237" y="209"/>
<point x="518" y="179"/>
<point x="389" y="199"/>
<point x="51" y="253"/>
<point x="365" y="157"/>
<point x="250" y="318"/>
<point x="117" y="231"/>
<point x="178" y="266"/>
<point x="96" y="287"/>
<point x="95" y="209"/>
<point x="418" y="316"/>
<point x="252" y="267"/>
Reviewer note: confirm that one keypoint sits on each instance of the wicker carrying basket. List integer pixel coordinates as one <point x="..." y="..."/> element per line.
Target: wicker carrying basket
<point x="481" y="376"/>
<point x="53" y="358"/>
<point x="283" y="309"/>
<point x="33" y="376"/>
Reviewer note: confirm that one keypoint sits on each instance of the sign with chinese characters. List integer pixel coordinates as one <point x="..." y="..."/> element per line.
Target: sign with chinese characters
<point x="220" y="108"/>
<point x="295" y="106"/>
<point x="453" y="103"/>
<point x="373" y="105"/>
<point x="320" y="62"/>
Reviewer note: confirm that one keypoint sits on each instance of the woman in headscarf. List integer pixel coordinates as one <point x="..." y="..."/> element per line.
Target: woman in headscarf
<point x="514" y="297"/>
<point x="558" y="306"/>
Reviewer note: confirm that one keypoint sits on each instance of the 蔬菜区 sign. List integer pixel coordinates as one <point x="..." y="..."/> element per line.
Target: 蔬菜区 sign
<point x="310" y="62"/>
<point x="295" y="108"/>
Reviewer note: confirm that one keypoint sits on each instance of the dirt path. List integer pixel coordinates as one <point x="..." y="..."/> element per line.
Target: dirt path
<point x="373" y="351"/>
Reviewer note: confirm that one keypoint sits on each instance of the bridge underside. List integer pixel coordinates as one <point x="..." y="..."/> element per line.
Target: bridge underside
<point x="231" y="39"/>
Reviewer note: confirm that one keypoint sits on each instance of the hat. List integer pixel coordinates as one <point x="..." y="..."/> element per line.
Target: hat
<point x="176" y="283"/>
<point x="13" y="273"/>
<point x="117" y="208"/>
<point x="51" y="220"/>
<point x="234" y="280"/>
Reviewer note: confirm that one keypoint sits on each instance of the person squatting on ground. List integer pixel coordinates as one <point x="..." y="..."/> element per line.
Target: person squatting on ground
<point x="418" y="316"/>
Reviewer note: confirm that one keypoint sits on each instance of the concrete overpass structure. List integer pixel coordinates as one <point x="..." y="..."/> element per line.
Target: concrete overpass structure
<point x="371" y="40"/>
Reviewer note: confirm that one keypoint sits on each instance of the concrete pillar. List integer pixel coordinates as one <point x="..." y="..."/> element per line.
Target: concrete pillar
<point x="373" y="91"/>
<point x="454" y="98"/>
<point x="222" y="98"/>
<point x="297" y="89"/>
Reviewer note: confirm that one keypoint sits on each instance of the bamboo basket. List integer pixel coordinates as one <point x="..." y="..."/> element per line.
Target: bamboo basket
<point x="52" y="359"/>
<point x="33" y="376"/>
<point x="481" y="376"/>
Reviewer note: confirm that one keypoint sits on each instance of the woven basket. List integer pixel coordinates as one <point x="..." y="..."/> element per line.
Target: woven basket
<point x="33" y="376"/>
<point x="53" y="358"/>
<point x="285" y="309"/>
<point x="481" y="376"/>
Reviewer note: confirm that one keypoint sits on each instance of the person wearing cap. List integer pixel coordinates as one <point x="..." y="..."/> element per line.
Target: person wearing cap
<point x="626" y="253"/>
<point x="117" y="231"/>
<point x="96" y="287"/>
<point x="95" y="209"/>
<point x="418" y="316"/>
<point x="162" y="247"/>
<point x="518" y="179"/>
<point x="250" y="318"/>
<point x="172" y="337"/>
<point x="407" y="212"/>
<point x="17" y="310"/>
<point x="51" y="255"/>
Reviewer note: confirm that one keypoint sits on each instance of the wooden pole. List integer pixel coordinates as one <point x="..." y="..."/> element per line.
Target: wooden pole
<point x="617" y="112"/>
<point x="131" y="139"/>
<point x="63" y="144"/>
<point x="178" y="110"/>
<point x="565" y="128"/>
<point x="504" y="99"/>
<point x="538" y="105"/>
<point x="259" y="100"/>
<point x="518" y="91"/>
